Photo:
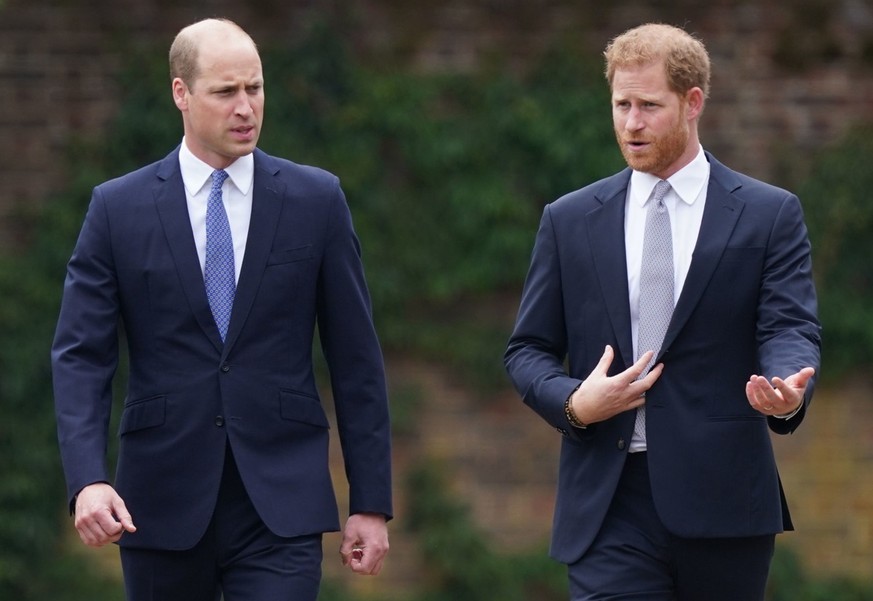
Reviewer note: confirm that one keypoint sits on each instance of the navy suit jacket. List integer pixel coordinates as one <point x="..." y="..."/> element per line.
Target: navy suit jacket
<point x="135" y="263"/>
<point x="748" y="306"/>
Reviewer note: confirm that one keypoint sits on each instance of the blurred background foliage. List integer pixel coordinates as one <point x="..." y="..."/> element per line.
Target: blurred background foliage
<point x="839" y="215"/>
<point x="446" y="176"/>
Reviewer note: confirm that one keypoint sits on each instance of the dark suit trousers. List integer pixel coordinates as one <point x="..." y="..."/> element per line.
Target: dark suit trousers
<point x="238" y="557"/>
<point x="635" y="558"/>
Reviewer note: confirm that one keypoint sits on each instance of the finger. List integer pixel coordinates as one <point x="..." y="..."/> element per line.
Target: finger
<point x="637" y="387"/>
<point x="93" y="533"/>
<point x="108" y="524"/>
<point x="352" y="557"/>
<point x="350" y="550"/>
<point x="348" y="544"/>
<point x="370" y="563"/>
<point x="606" y="358"/>
<point x="91" y="539"/>
<point x="87" y="534"/>
<point x="758" y="399"/>
<point x="763" y="397"/>
<point x="786" y="390"/>
<point x="355" y="559"/>
<point x="750" y="394"/>
<point x="651" y="377"/>
<point x="362" y="565"/>
<point x="89" y="528"/>
<point x="376" y="568"/>
<point x="752" y="391"/>
<point x="791" y="397"/>
<point x="633" y="372"/>
<point x="761" y="390"/>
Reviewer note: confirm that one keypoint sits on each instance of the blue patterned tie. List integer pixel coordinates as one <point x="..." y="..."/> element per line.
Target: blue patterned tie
<point x="656" y="287"/>
<point x="219" y="273"/>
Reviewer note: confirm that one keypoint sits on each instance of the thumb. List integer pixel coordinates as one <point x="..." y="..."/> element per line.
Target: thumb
<point x="805" y="374"/>
<point x="798" y="380"/>
<point x="605" y="360"/>
<point x="119" y="509"/>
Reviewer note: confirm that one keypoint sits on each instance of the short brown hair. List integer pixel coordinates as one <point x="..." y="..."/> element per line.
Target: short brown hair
<point x="685" y="58"/>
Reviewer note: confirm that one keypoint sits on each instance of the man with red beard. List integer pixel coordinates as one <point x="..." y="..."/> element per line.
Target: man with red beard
<point x="667" y="325"/>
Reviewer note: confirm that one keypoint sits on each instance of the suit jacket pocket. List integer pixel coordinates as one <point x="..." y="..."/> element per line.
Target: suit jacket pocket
<point x="304" y="408"/>
<point x="290" y="255"/>
<point x="143" y="413"/>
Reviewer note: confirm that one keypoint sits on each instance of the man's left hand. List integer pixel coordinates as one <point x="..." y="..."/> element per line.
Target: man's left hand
<point x="778" y="397"/>
<point x="365" y="543"/>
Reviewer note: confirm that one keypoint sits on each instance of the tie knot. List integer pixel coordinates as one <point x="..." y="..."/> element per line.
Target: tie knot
<point x="218" y="177"/>
<point x="661" y="189"/>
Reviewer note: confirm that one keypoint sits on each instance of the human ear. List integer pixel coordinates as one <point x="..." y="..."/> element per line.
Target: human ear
<point x="694" y="102"/>
<point x="180" y="94"/>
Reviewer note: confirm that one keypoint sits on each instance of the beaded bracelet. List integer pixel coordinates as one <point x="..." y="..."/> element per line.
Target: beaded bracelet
<point x="571" y="415"/>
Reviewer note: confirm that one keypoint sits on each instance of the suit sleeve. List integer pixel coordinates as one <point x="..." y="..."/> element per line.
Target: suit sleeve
<point x="535" y="354"/>
<point x="85" y="353"/>
<point x="354" y="358"/>
<point x="789" y="333"/>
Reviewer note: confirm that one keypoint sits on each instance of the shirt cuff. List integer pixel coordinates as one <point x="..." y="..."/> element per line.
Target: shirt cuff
<point x="792" y="414"/>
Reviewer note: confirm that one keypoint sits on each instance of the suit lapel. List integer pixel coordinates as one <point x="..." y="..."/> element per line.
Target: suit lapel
<point x="266" y="208"/>
<point x="172" y="210"/>
<point x="720" y="216"/>
<point x="606" y="233"/>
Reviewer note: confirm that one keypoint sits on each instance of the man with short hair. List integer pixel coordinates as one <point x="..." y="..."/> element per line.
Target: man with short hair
<point x="680" y="295"/>
<point x="220" y="260"/>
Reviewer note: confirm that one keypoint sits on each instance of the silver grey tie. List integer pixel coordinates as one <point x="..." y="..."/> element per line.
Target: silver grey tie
<point x="656" y="287"/>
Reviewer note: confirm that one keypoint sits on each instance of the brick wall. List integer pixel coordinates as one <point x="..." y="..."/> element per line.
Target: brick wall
<point x="789" y="77"/>
<point x="54" y="83"/>
<point x="825" y="468"/>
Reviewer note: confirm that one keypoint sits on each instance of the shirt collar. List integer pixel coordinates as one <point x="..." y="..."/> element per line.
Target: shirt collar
<point x="686" y="183"/>
<point x="196" y="173"/>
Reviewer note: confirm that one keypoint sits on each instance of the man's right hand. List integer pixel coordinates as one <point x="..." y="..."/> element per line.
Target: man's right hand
<point x="600" y="396"/>
<point x="101" y="516"/>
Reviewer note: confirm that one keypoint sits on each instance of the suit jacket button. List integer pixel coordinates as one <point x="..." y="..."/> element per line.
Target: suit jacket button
<point x="620" y="444"/>
<point x="219" y="421"/>
<point x="225" y="368"/>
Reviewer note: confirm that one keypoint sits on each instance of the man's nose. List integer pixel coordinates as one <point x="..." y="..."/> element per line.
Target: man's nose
<point x="243" y="104"/>
<point x="634" y="120"/>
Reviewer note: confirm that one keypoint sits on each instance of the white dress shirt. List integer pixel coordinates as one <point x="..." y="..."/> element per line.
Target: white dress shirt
<point x="684" y="201"/>
<point x="236" y="193"/>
